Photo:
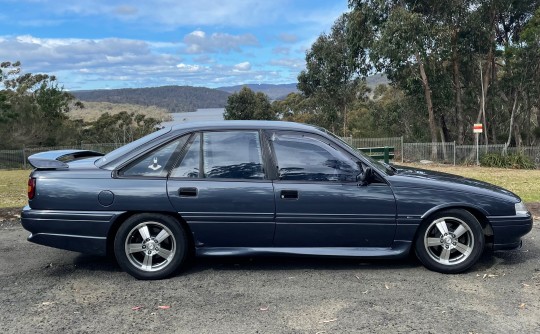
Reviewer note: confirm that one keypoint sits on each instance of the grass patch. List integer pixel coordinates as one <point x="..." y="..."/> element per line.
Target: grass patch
<point x="525" y="183"/>
<point x="13" y="188"/>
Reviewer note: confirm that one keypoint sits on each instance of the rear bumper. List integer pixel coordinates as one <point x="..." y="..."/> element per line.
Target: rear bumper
<point x="508" y="230"/>
<point x="79" y="231"/>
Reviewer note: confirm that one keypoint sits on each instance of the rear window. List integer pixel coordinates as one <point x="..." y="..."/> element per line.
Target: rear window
<point x="111" y="156"/>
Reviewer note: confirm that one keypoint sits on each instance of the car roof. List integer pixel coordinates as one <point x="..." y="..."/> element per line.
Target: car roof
<point x="249" y="124"/>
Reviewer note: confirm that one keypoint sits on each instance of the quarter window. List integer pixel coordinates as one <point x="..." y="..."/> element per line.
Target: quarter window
<point x="309" y="158"/>
<point x="157" y="162"/>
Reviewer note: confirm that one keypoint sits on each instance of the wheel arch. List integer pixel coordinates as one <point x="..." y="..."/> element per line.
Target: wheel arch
<point x="479" y="213"/>
<point x="120" y="219"/>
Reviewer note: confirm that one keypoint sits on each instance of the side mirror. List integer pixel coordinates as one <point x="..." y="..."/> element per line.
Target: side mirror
<point x="366" y="177"/>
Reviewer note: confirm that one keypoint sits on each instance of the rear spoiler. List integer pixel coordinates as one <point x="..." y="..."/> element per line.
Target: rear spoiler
<point x="59" y="159"/>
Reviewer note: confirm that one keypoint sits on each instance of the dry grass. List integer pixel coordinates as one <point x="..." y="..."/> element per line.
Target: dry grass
<point x="92" y="111"/>
<point x="525" y="183"/>
<point x="13" y="186"/>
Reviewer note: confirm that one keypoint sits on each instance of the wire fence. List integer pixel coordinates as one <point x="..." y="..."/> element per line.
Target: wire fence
<point x="448" y="153"/>
<point x="17" y="159"/>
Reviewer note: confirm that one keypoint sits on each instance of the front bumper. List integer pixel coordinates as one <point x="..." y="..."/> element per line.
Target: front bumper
<point x="508" y="230"/>
<point x="79" y="231"/>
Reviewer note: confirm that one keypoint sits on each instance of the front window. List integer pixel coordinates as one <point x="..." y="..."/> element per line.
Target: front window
<point x="307" y="157"/>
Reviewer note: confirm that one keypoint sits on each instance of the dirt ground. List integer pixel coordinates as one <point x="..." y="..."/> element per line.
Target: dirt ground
<point x="47" y="290"/>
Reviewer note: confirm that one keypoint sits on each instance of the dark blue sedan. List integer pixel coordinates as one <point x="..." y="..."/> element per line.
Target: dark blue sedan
<point x="258" y="187"/>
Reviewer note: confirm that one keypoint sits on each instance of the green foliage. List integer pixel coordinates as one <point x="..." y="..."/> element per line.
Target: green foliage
<point x="246" y="104"/>
<point x="32" y="109"/>
<point x="33" y="112"/>
<point x="515" y="161"/>
<point x="450" y="64"/>
<point x="329" y="80"/>
<point x="120" y="128"/>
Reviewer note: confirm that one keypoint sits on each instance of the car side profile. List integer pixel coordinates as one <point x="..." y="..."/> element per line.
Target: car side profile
<point x="260" y="187"/>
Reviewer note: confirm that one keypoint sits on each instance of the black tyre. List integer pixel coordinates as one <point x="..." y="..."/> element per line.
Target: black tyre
<point x="151" y="246"/>
<point x="450" y="241"/>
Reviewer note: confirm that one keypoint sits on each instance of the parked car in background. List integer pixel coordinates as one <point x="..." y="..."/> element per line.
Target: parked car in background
<point x="260" y="187"/>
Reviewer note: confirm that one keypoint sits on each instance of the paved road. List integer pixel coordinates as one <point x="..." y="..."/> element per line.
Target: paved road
<point x="46" y="290"/>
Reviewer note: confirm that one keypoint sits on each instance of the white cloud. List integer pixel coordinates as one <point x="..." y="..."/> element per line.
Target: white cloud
<point x="116" y="63"/>
<point x="242" y="67"/>
<point x="189" y="68"/>
<point x="292" y="63"/>
<point x="173" y="13"/>
<point x="198" y="42"/>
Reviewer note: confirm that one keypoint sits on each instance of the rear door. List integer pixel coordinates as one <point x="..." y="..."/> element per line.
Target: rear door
<point x="220" y="188"/>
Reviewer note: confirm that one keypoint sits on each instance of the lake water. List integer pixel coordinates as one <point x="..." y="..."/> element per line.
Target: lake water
<point x="210" y="114"/>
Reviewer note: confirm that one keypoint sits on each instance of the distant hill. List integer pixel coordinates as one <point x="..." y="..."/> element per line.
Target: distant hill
<point x="171" y="98"/>
<point x="280" y="91"/>
<point x="274" y="92"/>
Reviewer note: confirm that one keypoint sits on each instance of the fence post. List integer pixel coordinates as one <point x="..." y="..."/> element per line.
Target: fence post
<point x="24" y="156"/>
<point x="386" y="155"/>
<point x="454" y="152"/>
<point x="402" y="149"/>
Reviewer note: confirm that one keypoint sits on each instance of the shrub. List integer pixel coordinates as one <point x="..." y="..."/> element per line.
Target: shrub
<point x="514" y="160"/>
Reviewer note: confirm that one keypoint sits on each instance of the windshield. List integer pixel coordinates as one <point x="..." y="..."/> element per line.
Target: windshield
<point x="379" y="165"/>
<point x="111" y="156"/>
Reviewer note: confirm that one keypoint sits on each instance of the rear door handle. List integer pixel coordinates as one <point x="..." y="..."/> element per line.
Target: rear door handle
<point x="187" y="192"/>
<point x="289" y="194"/>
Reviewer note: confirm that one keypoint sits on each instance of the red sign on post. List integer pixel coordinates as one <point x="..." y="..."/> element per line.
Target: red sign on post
<point x="478" y="128"/>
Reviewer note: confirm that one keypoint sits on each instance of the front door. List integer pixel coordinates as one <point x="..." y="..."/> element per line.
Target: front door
<point x="318" y="201"/>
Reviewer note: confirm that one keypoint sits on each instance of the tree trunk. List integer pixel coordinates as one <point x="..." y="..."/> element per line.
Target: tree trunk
<point x="457" y="88"/>
<point x="512" y="114"/>
<point x="345" y="121"/>
<point x="429" y="104"/>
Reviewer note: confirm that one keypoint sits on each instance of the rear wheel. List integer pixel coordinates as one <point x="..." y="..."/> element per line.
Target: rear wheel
<point x="450" y="241"/>
<point x="150" y="246"/>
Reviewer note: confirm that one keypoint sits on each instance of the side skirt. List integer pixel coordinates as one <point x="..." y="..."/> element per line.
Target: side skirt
<point x="398" y="249"/>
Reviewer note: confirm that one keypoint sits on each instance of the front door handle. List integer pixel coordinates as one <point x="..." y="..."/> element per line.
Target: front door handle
<point x="289" y="194"/>
<point x="188" y="192"/>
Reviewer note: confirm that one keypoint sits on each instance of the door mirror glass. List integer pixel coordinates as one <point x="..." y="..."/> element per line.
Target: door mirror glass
<point x="366" y="176"/>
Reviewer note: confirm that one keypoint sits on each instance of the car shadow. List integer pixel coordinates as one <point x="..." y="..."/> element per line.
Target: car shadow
<point x="275" y="263"/>
<point x="489" y="260"/>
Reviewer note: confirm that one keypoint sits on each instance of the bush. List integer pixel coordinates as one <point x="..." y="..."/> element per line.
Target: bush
<point x="515" y="160"/>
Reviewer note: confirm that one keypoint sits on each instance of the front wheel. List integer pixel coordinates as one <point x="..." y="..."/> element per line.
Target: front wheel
<point x="150" y="246"/>
<point x="450" y="241"/>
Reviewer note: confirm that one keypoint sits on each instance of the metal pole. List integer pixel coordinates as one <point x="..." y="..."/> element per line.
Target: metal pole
<point x="454" y="152"/>
<point x="477" y="157"/>
<point x="402" y="150"/>
<point x="24" y="156"/>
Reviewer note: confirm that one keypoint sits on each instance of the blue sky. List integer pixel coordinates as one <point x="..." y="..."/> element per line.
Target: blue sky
<point x="97" y="44"/>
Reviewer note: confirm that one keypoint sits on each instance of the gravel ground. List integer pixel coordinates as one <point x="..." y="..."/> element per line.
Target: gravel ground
<point x="46" y="290"/>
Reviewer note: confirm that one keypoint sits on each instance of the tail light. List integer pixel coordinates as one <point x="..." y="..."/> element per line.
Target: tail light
<point x="31" y="187"/>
